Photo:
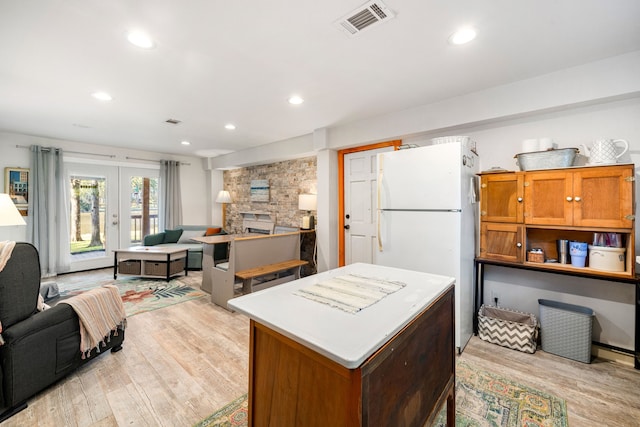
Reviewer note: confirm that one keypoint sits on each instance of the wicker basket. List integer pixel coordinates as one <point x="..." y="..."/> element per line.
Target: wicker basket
<point x="508" y="328"/>
<point x="535" y="256"/>
<point x="159" y="268"/>
<point x="129" y="266"/>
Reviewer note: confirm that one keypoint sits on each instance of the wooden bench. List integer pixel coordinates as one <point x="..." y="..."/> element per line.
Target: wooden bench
<point x="253" y="257"/>
<point x="248" y="275"/>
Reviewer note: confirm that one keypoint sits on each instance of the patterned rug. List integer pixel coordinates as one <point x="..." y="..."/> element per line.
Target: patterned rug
<point x="140" y="295"/>
<point x="234" y="414"/>
<point x="482" y="399"/>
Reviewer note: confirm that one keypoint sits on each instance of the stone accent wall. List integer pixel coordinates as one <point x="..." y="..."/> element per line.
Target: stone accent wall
<point x="287" y="180"/>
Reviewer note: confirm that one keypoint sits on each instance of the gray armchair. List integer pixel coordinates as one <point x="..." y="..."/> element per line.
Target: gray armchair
<point x="39" y="348"/>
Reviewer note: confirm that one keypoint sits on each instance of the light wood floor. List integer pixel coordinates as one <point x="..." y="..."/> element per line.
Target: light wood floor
<point x="181" y="363"/>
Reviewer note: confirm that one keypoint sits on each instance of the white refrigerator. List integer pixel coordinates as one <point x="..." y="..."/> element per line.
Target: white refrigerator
<point x="427" y="218"/>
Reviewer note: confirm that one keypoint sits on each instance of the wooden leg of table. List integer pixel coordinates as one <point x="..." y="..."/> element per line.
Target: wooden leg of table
<point x="246" y="286"/>
<point x="451" y="408"/>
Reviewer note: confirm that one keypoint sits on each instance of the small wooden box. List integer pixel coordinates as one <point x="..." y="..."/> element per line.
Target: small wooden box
<point x="535" y="256"/>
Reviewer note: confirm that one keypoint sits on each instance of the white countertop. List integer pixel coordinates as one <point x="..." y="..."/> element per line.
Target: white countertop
<point x="348" y="339"/>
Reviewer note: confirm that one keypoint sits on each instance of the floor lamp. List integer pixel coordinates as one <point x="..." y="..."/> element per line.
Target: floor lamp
<point x="224" y="197"/>
<point x="9" y="214"/>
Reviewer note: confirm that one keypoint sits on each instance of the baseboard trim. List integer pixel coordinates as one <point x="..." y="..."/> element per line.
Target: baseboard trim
<point x="611" y="354"/>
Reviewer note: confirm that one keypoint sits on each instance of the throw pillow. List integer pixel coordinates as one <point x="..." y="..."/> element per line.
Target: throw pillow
<point x="172" y="236"/>
<point x="212" y="231"/>
<point x="188" y="235"/>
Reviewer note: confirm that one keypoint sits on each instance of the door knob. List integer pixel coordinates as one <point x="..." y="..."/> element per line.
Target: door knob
<point x="577" y="199"/>
<point x="348" y="216"/>
<point x="520" y="199"/>
<point x="519" y="244"/>
<point x="569" y="198"/>
<point x="346" y="227"/>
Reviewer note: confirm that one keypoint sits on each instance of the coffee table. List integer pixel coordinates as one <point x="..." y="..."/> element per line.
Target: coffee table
<point x="150" y="261"/>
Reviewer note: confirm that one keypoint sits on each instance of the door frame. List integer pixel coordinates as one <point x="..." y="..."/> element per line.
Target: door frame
<point x="341" y="153"/>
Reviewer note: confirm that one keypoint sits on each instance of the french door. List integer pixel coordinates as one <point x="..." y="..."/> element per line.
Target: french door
<point x="110" y="207"/>
<point x="93" y="214"/>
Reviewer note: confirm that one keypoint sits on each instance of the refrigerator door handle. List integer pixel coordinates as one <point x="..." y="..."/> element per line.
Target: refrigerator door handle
<point x="379" y="235"/>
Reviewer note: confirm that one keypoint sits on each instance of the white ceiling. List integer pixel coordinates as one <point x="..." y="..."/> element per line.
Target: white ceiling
<point x="238" y="61"/>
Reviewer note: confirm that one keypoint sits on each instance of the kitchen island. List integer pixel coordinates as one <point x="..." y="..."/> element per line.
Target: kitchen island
<point x="391" y="363"/>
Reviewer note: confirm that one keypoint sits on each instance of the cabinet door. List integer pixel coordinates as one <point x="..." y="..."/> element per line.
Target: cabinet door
<point x="501" y="197"/>
<point x="502" y="242"/>
<point x="603" y="197"/>
<point x="548" y="198"/>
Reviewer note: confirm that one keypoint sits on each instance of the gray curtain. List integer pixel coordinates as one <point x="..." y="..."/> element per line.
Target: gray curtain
<point x="170" y="198"/>
<point x="48" y="227"/>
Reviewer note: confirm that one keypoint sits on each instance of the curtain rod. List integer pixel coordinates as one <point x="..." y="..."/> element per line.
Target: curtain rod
<point x="155" y="161"/>
<point x="71" y="152"/>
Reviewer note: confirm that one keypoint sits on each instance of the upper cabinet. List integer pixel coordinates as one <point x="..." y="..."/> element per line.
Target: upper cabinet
<point x="520" y="211"/>
<point x="501" y="197"/>
<point x="584" y="197"/>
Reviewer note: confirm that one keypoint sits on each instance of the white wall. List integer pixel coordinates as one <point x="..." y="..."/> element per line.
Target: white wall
<point x="196" y="197"/>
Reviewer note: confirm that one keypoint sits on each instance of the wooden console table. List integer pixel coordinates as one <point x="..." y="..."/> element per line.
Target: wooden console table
<point x="479" y="292"/>
<point x="390" y="364"/>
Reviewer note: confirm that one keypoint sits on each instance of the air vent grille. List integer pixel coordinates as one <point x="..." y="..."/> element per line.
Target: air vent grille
<point x="365" y="16"/>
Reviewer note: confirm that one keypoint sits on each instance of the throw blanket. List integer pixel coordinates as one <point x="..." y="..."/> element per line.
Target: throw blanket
<point x="6" y="248"/>
<point x="100" y="311"/>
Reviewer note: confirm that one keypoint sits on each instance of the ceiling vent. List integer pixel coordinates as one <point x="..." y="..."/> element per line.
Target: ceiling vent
<point x="173" y="121"/>
<point x="365" y="16"/>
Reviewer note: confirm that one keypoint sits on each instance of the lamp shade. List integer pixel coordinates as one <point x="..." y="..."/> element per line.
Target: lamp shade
<point x="307" y="202"/>
<point x="223" y="197"/>
<point x="9" y="214"/>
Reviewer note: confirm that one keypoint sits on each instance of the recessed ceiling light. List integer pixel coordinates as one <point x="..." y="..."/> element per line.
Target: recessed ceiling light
<point x="102" y="96"/>
<point x="295" y="100"/>
<point x="185" y="143"/>
<point x="230" y="126"/>
<point x="140" y="39"/>
<point x="462" y="36"/>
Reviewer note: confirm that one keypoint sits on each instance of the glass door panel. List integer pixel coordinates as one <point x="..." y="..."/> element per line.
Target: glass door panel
<point x="93" y="215"/>
<point x="139" y="202"/>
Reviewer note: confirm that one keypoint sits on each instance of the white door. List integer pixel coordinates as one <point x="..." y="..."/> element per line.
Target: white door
<point x="93" y="214"/>
<point x="360" y="182"/>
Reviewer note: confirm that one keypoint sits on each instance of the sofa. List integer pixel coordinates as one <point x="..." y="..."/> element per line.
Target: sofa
<point x="40" y="347"/>
<point x="181" y="237"/>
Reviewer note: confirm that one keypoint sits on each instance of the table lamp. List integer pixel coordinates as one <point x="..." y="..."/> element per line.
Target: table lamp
<point x="307" y="202"/>
<point x="9" y="217"/>
<point x="224" y="197"/>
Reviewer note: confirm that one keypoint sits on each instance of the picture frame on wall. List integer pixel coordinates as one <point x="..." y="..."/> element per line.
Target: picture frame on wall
<point x="259" y="191"/>
<point x="16" y="185"/>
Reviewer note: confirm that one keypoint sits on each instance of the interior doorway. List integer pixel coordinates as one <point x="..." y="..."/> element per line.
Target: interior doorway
<point x="357" y="201"/>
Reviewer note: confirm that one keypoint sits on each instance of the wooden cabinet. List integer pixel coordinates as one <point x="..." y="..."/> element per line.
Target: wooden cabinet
<point x="501" y="197"/>
<point x="585" y="197"/>
<point x="404" y="383"/>
<point x="520" y="211"/>
<point x="504" y="242"/>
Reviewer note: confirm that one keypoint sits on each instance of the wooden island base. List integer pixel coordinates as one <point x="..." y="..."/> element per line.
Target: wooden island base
<point x="405" y="383"/>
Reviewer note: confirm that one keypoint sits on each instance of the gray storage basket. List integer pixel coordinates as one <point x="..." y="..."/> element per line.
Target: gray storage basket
<point x="565" y="329"/>
<point x="508" y="328"/>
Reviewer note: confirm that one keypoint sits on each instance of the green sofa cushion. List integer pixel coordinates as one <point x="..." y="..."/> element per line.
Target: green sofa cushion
<point x="172" y="236"/>
<point x="154" y="239"/>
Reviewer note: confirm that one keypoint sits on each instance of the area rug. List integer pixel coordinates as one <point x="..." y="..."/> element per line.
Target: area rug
<point x="234" y="414"/>
<point x="140" y="295"/>
<point x="483" y="399"/>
